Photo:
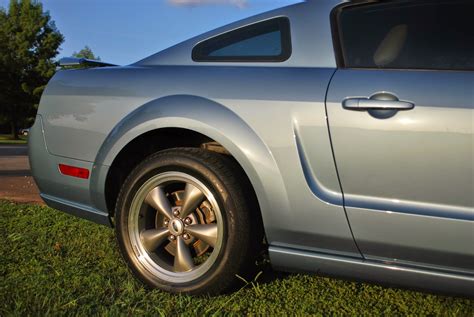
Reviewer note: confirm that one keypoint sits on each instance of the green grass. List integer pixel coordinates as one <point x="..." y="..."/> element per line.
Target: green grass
<point x="8" y="139"/>
<point x="55" y="264"/>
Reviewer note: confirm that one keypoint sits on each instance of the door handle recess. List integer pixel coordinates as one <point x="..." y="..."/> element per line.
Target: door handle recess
<point x="369" y="104"/>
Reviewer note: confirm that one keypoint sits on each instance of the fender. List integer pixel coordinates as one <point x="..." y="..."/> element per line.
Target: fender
<point x="206" y="117"/>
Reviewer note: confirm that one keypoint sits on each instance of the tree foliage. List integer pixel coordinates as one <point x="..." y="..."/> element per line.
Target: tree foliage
<point x="86" y="52"/>
<point x="29" y="41"/>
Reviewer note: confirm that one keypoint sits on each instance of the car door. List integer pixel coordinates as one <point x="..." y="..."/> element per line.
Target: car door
<point x="400" y="110"/>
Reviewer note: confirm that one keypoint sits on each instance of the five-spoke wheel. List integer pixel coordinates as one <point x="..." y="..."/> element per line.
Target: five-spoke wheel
<point x="175" y="226"/>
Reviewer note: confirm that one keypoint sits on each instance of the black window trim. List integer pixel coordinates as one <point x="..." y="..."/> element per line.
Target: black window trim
<point x="336" y="36"/>
<point x="338" y="44"/>
<point x="285" y="31"/>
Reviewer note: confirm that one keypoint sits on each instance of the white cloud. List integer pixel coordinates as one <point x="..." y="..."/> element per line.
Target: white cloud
<point x="192" y="3"/>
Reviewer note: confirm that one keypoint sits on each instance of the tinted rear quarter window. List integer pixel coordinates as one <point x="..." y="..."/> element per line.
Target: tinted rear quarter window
<point x="266" y="41"/>
<point x="408" y="35"/>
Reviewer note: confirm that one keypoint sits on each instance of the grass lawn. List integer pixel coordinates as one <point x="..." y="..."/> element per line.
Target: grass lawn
<point x="55" y="264"/>
<point x="7" y="139"/>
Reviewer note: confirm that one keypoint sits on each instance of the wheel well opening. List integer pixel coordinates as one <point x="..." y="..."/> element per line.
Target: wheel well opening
<point x="146" y="144"/>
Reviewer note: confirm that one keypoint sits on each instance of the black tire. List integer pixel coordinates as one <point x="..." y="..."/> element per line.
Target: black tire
<point x="241" y="228"/>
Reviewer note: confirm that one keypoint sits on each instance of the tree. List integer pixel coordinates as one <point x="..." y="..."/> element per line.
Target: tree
<point x="29" y="41"/>
<point x="86" y="52"/>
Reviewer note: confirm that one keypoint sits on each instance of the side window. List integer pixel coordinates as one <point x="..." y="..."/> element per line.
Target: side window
<point x="267" y="41"/>
<point x="407" y="35"/>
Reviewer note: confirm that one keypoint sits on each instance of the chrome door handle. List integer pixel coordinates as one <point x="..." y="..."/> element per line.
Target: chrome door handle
<point x="369" y="104"/>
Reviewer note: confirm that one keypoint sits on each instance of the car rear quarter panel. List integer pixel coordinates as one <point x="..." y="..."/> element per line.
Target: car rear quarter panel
<point x="253" y="111"/>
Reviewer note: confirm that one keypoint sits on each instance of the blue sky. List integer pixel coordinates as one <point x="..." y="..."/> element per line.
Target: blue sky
<point x="124" y="31"/>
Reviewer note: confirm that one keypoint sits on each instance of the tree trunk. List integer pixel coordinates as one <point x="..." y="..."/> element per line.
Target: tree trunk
<point x="14" y="130"/>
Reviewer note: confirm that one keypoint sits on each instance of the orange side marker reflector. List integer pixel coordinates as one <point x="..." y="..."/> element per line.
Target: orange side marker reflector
<point x="74" y="171"/>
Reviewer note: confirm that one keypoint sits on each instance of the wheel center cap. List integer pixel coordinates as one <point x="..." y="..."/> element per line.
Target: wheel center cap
<point x="176" y="227"/>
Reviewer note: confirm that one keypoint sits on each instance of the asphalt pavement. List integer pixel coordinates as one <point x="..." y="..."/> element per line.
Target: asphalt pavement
<point x="16" y="183"/>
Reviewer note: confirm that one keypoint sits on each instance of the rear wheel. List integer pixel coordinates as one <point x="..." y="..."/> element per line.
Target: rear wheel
<point x="184" y="221"/>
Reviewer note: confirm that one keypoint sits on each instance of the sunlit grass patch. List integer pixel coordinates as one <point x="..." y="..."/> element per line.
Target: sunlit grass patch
<point x="53" y="263"/>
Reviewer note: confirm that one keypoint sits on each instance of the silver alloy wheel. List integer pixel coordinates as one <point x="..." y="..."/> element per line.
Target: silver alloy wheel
<point x="169" y="237"/>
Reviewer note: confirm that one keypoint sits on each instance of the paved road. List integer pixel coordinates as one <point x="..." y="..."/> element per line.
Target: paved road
<point x="13" y="150"/>
<point x="16" y="182"/>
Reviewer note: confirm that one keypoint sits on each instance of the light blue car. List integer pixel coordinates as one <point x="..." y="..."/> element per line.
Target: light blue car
<point x="337" y="136"/>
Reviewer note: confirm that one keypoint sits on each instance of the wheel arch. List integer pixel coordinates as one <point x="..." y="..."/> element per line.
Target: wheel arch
<point x="196" y="119"/>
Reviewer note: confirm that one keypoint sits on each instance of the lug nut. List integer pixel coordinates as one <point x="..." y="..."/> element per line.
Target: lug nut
<point x="186" y="236"/>
<point x="167" y="221"/>
<point x="172" y="238"/>
<point x="188" y="221"/>
<point x="176" y="212"/>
